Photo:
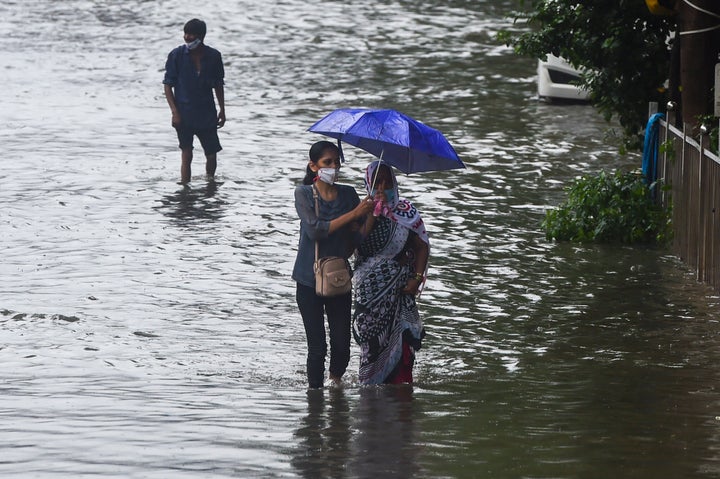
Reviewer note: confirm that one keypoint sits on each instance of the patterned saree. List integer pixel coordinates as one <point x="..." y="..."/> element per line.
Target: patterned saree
<point x="386" y="323"/>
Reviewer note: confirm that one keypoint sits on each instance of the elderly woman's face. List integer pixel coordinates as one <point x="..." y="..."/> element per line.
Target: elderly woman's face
<point x="383" y="181"/>
<point x="384" y="178"/>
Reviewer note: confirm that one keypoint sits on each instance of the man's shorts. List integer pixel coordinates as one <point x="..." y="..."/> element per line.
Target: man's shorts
<point x="208" y="139"/>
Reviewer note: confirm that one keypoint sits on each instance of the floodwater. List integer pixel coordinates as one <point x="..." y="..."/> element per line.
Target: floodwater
<point x="150" y="331"/>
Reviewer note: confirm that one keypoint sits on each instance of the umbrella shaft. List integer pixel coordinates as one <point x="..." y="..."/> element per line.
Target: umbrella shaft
<point x="377" y="170"/>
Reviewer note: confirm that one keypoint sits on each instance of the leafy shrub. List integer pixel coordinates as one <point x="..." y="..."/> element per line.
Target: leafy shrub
<point x="616" y="208"/>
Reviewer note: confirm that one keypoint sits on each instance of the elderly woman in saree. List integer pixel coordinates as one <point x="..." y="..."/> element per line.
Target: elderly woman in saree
<point x="390" y="270"/>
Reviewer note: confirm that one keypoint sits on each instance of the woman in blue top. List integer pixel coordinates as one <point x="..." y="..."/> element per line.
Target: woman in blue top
<point x="335" y="228"/>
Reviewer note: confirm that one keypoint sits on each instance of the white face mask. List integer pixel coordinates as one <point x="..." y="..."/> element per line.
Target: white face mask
<point x="328" y="175"/>
<point x="194" y="44"/>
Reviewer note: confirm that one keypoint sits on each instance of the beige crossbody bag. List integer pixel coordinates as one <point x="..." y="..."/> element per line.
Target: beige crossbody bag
<point x="333" y="276"/>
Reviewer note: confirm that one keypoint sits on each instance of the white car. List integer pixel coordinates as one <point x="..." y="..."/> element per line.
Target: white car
<point x="556" y="78"/>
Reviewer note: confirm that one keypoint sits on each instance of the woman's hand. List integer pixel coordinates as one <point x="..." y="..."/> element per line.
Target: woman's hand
<point x="365" y="207"/>
<point x="363" y="216"/>
<point x="413" y="284"/>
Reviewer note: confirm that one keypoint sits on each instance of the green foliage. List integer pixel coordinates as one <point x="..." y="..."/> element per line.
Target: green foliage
<point x="667" y="148"/>
<point x="619" y="43"/>
<point x="615" y="208"/>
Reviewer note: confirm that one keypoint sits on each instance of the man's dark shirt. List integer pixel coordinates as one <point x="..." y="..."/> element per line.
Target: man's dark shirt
<point x="193" y="91"/>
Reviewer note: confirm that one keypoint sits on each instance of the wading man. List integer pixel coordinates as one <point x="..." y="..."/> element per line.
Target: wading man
<point x="194" y="71"/>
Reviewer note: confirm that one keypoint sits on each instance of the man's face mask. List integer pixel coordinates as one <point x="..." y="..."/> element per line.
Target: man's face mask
<point x="194" y="44"/>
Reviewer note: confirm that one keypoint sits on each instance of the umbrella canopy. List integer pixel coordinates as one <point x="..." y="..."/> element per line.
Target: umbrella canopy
<point x="395" y="138"/>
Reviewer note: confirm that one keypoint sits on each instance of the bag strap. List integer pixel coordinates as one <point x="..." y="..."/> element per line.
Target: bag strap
<point x="317" y="216"/>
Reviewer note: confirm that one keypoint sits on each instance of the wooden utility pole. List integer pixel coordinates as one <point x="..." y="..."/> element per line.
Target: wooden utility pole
<point x="699" y="33"/>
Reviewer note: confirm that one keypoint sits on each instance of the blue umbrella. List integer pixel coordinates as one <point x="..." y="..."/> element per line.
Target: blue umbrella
<point x="395" y="138"/>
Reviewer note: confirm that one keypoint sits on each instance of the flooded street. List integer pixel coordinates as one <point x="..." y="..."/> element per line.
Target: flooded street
<point x="150" y="331"/>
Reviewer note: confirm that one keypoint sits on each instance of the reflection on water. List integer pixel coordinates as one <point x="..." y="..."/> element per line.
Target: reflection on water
<point x="369" y="436"/>
<point x="388" y="439"/>
<point x="324" y="435"/>
<point x="194" y="203"/>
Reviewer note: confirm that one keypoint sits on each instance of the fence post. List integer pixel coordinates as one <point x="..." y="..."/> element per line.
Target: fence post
<point x="702" y="218"/>
<point x="652" y="108"/>
<point x="716" y="107"/>
<point x="669" y="117"/>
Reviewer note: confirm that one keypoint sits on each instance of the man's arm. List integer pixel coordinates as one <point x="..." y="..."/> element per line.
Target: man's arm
<point x="220" y="95"/>
<point x="170" y="97"/>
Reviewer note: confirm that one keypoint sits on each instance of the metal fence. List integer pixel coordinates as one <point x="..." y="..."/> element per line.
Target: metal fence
<point x="690" y="174"/>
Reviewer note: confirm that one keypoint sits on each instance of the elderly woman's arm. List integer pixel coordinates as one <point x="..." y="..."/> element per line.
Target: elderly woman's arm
<point x="422" y="251"/>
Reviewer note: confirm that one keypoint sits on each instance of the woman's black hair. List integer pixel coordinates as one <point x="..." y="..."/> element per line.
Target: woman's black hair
<point x="316" y="151"/>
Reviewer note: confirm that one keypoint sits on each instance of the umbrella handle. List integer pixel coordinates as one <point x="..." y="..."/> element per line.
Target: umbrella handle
<point x="342" y="157"/>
